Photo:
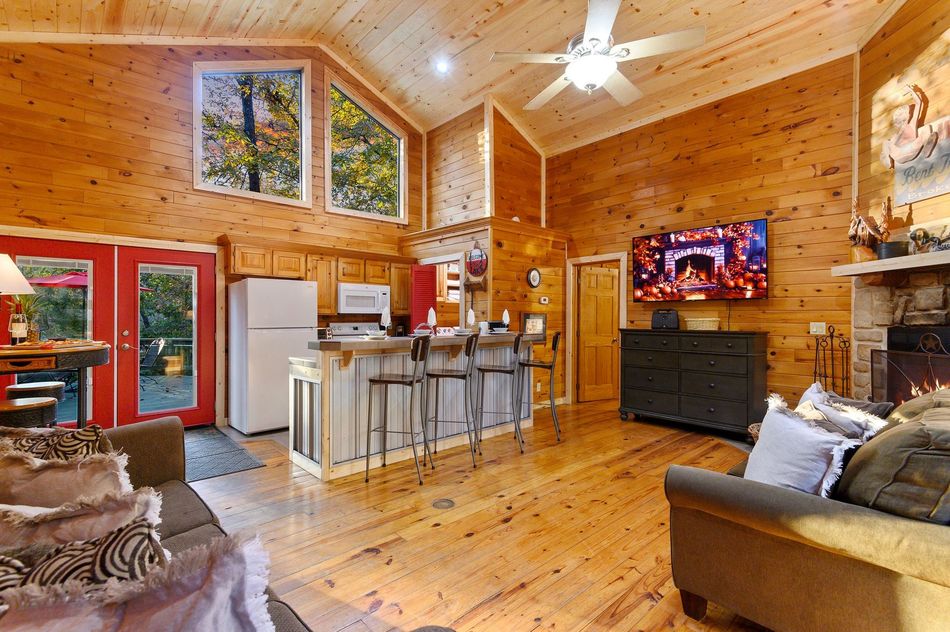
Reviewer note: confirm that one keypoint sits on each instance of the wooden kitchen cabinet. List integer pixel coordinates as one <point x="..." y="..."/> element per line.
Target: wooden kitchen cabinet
<point x="323" y="270"/>
<point x="399" y="288"/>
<point x="289" y="265"/>
<point x="350" y="270"/>
<point x="251" y="261"/>
<point x="377" y="272"/>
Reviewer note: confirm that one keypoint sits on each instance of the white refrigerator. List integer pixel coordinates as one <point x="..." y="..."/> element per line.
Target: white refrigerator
<point x="269" y="321"/>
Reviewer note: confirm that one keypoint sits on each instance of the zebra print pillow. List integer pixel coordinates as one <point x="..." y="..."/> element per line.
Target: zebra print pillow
<point x="125" y="554"/>
<point x="56" y="443"/>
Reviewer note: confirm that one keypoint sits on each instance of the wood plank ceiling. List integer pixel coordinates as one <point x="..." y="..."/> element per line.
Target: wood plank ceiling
<point x="396" y="43"/>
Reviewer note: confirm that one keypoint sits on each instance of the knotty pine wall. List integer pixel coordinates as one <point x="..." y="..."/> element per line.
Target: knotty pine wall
<point x="781" y="151"/>
<point x="99" y="139"/>
<point x="913" y="47"/>
<point x="517" y="167"/>
<point x="455" y="165"/>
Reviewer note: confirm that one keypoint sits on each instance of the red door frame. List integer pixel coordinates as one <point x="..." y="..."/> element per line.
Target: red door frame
<point x="103" y="308"/>
<point x="129" y="259"/>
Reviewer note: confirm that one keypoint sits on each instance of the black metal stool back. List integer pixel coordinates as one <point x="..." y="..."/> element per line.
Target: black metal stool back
<point x="419" y="354"/>
<point x="547" y="366"/>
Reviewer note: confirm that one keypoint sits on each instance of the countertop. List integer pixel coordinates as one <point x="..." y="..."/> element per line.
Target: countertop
<point x="359" y="344"/>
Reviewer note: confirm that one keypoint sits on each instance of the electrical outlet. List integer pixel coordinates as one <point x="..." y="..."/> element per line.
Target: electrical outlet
<point x="545" y="300"/>
<point x="537" y="386"/>
<point x="816" y="329"/>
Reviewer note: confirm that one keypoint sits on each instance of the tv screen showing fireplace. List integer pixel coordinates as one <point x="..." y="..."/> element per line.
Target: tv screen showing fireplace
<point x="715" y="262"/>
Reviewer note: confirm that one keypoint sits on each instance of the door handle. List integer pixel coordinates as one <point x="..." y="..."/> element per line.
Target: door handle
<point x="127" y="347"/>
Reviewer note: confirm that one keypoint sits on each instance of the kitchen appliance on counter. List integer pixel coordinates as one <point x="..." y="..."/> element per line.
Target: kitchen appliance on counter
<point x="350" y="330"/>
<point x="269" y="321"/>
<point x="361" y="298"/>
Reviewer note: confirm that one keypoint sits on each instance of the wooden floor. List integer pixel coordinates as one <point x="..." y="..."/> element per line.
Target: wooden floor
<point x="569" y="536"/>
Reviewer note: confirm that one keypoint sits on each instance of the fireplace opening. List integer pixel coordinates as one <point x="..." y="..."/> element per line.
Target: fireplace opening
<point x="916" y="361"/>
<point x="695" y="269"/>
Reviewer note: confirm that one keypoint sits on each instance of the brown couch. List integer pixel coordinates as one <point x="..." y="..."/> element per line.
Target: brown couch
<point x="156" y="452"/>
<point x="793" y="561"/>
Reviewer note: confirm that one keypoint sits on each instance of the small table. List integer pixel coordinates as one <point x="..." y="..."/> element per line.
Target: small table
<point x="73" y="357"/>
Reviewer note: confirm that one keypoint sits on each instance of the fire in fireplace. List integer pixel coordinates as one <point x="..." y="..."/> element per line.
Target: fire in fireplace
<point x="696" y="266"/>
<point x="915" y="362"/>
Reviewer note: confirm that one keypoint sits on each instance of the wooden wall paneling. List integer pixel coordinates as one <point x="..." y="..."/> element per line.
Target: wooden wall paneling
<point x="517" y="167"/>
<point x="100" y="141"/>
<point x="781" y="152"/>
<point x="910" y="48"/>
<point x="455" y="170"/>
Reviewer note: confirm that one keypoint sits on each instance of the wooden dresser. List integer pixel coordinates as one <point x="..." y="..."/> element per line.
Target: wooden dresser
<point x="714" y="379"/>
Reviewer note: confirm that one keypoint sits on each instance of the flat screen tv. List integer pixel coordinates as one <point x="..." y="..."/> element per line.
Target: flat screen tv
<point x="714" y="262"/>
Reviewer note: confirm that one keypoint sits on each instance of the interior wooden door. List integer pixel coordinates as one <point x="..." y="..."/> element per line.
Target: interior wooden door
<point x="597" y="318"/>
<point x="165" y="342"/>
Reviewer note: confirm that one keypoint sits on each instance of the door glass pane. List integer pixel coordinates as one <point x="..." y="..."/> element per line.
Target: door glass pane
<point x="167" y="337"/>
<point x="64" y="290"/>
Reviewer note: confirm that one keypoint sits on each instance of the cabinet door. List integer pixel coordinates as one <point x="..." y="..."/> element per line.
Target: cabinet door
<point x="399" y="288"/>
<point x="289" y="265"/>
<point x="350" y="270"/>
<point x="323" y="270"/>
<point x="250" y="260"/>
<point x="377" y="272"/>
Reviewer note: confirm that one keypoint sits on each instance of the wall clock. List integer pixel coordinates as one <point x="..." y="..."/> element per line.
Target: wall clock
<point x="534" y="277"/>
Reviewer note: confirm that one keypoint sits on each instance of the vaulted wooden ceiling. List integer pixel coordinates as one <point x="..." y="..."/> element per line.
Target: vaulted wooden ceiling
<point x="396" y="43"/>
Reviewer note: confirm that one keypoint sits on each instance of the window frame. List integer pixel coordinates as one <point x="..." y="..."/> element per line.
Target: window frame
<point x="333" y="80"/>
<point x="200" y="68"/>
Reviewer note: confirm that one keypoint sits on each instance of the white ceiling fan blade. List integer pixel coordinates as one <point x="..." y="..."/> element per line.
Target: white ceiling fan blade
<point x="548" y="93"/>
<point x="600" y="19"/>
<point x="660" y="44"/>
<point x="621" y="89"/>
<point x="530" y="58"/>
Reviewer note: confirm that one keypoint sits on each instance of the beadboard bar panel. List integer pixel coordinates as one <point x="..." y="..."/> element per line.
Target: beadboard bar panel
<point x="782" y="152"/>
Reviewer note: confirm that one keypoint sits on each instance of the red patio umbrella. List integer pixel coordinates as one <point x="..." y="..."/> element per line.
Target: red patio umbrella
<point x="69" y="279"/>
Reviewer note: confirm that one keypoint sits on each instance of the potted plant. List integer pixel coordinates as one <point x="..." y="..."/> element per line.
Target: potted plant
<point x="29" y="306"/>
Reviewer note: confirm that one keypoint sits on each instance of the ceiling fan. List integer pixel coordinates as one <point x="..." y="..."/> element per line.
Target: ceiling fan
<point x="592" y="56"/>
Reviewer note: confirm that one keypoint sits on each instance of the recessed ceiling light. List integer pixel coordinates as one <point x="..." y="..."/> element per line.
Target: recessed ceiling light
<point x="442" y="66"/>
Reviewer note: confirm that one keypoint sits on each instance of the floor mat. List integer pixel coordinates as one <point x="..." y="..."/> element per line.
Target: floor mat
<point x="209" y="453"/>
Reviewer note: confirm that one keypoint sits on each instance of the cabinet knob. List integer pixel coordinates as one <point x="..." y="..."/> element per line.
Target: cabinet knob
<point x="712" y="385"/>
<point x="649" y="378"/>
<point x="663" y="342"/>
<point x="695" y="343"/>
<point x="710" y="410"/>
<point x="636" y="341"/>
<point x="649" y="358"/>
<point x="712" y="363"/>
<point x="728" y="345"/>
<point x="649" y="401"/>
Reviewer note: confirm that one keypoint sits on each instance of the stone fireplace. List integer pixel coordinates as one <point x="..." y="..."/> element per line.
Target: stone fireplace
<point x="920" y="301"/>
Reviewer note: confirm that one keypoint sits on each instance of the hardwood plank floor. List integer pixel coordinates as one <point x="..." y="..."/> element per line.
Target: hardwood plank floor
<point x="568" y="536"/>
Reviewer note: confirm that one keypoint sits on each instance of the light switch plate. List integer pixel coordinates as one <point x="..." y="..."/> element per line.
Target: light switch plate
<point x="816" y="329"/>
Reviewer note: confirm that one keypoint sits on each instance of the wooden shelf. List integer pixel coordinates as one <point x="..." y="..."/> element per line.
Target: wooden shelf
<point x="908" y="262"/>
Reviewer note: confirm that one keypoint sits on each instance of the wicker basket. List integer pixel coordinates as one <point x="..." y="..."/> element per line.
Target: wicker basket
<point x="754" y="430"/>
<point x="702" y="324"/>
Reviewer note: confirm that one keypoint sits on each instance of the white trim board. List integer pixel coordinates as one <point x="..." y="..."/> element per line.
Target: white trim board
<point x="572" y="265"/>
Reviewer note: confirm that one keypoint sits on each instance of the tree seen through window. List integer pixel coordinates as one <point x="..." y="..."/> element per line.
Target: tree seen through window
<point x="365" y="160"/>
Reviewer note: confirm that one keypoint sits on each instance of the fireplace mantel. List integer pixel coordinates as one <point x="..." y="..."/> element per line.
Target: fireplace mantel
<point x="906" y="263"/>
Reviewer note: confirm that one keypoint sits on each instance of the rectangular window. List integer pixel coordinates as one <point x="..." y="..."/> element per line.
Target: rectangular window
<point x="366" y="154"/>
<point x="252" y="129"/>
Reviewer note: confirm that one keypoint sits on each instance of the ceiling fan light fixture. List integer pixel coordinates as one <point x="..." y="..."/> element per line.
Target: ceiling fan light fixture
<point x="591" y="71"/>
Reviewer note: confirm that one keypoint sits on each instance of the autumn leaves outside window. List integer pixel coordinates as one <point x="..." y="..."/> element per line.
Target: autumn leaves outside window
<point x="252" y="139"/>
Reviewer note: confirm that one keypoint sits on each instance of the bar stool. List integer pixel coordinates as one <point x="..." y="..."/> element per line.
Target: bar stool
<point x="513" y="371"/>
<point x="37" y="389"/>
<point x="547" y="366"/>
<point x="419" y="354"/>
<point x="466" y="375"/>
<point x="28" y="412"/>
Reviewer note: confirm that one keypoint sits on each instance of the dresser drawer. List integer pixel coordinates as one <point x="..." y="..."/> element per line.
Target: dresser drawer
<point x="726" y="386"/>
<point x="662" y="403"/>
<point x="717" y="344"/>
<point x="714" y="410"/>
<point x="649" y="358"/>
<point x="651" y="379"/>
<point x="716" y="363"/>
<point x="636" y="340"/>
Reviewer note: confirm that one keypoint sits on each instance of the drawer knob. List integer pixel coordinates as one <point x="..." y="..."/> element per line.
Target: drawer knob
<point x="649" y="358"/>
<point x="695" y="343"/>
<point x="663" y="342"/>
<point x="649" y="378"/>
<point x="728" y="345"/>
<point x="712" y="385"/>
<point x="710" y="410"/>
<point x="712" y="363"/>
<point x="636" y="341"/>
<point x="649" y="401"/>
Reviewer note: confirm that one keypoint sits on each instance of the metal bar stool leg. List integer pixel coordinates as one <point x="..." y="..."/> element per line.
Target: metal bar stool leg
<point x="385" y="421"/>
<point x="516" y="413"/>
<point x="435" y="418"/>
<point x="412" y="433"/>
<point x="369" y="429"/>
<point x="481" y="409"/>
<point x="469" y="420"/>
<point x="557" y="424"/>
<point x="424" y="414"/>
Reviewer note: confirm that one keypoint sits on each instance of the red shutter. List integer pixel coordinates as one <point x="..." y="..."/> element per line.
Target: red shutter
<point x="422" y="293"/>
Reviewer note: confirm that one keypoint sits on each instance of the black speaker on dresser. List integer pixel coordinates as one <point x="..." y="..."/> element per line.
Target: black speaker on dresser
<point x="714" y="379"/>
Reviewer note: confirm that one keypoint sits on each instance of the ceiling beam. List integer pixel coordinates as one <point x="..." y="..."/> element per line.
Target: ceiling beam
<point x="879" y="23"/>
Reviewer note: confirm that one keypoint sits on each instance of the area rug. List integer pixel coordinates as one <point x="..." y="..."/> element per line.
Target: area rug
<point x="209" y="453"/>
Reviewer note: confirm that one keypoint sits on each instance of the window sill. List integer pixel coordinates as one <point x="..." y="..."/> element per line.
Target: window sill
<point x="372" y="217"/>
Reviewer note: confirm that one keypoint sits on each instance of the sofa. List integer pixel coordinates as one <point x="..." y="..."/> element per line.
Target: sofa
<point x="793" y="561"/>
<point x="156" y="452"/>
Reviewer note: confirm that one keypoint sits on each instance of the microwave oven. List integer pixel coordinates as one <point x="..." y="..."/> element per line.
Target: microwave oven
<point x="359" y="298"/>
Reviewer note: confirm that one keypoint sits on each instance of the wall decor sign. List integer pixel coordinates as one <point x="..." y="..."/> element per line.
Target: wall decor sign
<point x="918" y="152"/>
<point x="476" y="262"/>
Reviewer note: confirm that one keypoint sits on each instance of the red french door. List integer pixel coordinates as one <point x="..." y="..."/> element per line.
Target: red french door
<point x="75" y="285"/>
<point x="164" y="350"/>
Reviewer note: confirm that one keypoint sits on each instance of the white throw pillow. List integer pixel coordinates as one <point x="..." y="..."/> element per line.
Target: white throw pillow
<point x="853" y="421"/>
<point x="216" y="586"/>
<point x="85" y="519"/>
<point x="27" y="480"/>
<point x="815" y="394"/>
<point x="794" y="453"/>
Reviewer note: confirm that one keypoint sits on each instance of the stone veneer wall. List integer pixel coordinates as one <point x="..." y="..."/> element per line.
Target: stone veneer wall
<point x="921" y="300"/>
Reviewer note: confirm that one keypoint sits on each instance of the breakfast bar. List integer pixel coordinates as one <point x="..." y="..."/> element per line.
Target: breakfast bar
<point x="329" y="397"/>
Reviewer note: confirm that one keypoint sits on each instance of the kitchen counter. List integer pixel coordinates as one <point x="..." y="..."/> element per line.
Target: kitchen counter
<point x="329" y="394"/>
